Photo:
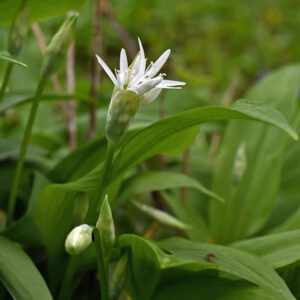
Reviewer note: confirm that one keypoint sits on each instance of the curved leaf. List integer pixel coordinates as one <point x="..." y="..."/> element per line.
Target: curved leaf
<point x="205" y="287"/>
<point x="250" y="194"/>
<point x="228" y="260"/>
<point x="185" y="259"/>
<point x="157" y="181"/>
<point x="6" y="56"/>
<point x="154" y="138"/>
<point x="278" y="250"/>
<point x="19" y="275"/>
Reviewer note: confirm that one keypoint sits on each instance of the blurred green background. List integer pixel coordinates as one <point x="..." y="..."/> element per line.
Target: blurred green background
<point x="218" y="47"/>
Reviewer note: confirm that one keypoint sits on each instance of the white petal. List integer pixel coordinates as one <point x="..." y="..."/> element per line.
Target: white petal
<point x="148" y="85"/>
<point x="123" y="61"/>
<point x="133" y="71"/>
<point x="139" y="66"/>
<point x="107" y="70"/>
<point x="171" y="84"/>
<point x="133" y="68"/>
<point x="150" y="96"/>
<point x="158" y="64"/>
<point x="142" y="60"/>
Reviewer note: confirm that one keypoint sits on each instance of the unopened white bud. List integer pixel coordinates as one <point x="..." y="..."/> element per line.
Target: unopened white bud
<point x="79" y="239"/>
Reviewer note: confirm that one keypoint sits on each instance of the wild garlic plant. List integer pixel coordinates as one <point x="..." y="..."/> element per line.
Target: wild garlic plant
<point x="135" y="85"/>
<point x="104" y="220"/>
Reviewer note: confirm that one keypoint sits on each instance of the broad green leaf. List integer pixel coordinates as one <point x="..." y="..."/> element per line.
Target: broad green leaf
<point x="54" y="219"/>
<point x="186" y="138"/>
<point x="10" y="151"/>
<point x="278" y="250"/>
<point x="238" y="263"/>
<point x="7" y="57"/>
<point x="53" y="213"/>
<point x="154" y="138"/>
<point x="250" y="193"/>
<point x="178" y="258"/>
<point x="205" y="287"/>
<point x="80" y="161"/>
<point x="286" y="212"/>
<point x="189" y="214"/>
<point x="38" y="10"/>
<point x="292" y="223"/>
<point x="75" y="270"/>
<point x="25" y="231"/>
<point x="19" y="274"/>
<point x="157" y="181"/>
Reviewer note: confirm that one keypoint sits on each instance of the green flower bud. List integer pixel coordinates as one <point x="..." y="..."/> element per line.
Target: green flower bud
<point x="19" y="30"/>
<point x="106" y="228"/>
<point x="58" y="45"/>
<point x="78" y="239"/>
<point x="122" y="109"/>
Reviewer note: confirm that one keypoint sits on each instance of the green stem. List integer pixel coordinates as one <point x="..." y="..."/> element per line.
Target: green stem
<point x="5" y="80"/>
<point x="106" y="170"/>
<point x="99" y="193"/>
<point x="23" y="150"/>
<point x="102" y="267"/>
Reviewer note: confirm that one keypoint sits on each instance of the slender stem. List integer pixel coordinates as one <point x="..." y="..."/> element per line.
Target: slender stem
<point x="105" y="173"/>
<point x="23" y="150"/>
<point x="6" y="80"/>
<point x="102" y="267"/>
<point x="98" y="194"/>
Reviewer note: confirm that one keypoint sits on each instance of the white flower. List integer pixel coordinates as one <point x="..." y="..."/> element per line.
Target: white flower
<point x="139" y="79"/>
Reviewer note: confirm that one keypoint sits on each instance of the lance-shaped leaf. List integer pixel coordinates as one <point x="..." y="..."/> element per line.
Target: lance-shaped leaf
<point x="158" y="181"/>
<point x="250" y="197"/>
<point x="172" y="261"/>
<point x="160" y="216"/>
<point x="278" y="249"/>
<point x="19" y="274"/>
<point x="6" y="56"/>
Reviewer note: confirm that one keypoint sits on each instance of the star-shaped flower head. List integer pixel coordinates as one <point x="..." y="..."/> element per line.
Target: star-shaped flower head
<point x="135" y="85"/>
<point x="136" y="77"/>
